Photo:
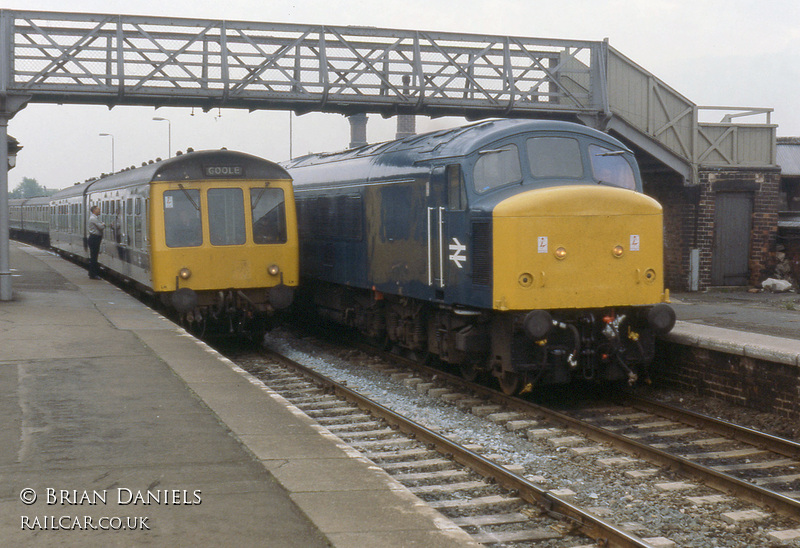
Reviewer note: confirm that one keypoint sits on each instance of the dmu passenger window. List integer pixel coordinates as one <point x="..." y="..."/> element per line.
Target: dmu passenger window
<point x="226" y="216"/>
<point x="182" y="223"/>
<point x="137" y="225"/>
<point x="129" y="221"/>
<point x="555" y="157"/>
<point x="611" y="167"/>
<point x="269" y="215"/>
<point x="497" y="167"/>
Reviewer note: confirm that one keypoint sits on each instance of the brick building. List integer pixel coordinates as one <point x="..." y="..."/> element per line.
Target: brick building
<point x="722" y="231"/>
<point x="788" y="255"/>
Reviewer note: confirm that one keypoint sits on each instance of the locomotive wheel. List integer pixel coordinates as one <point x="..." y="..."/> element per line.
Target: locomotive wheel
<point x="472" y="368"/>
<point x="510" y="382"/>
<point x="422" y="357"/>
<point x="469" y="371"/>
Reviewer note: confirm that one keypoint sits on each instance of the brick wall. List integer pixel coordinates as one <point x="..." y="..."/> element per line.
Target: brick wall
<point x="792" y="250"/>
<point x="689" y="221"/>
<point x="765" y="226"/>
<point x="753" y="383"/>
<point x="680" y="208"/>
<point x="764" y="185"/>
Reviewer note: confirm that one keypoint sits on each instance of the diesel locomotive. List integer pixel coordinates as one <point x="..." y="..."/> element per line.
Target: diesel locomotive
<point x="520" y="248"/>
<point x="212" y="234"/>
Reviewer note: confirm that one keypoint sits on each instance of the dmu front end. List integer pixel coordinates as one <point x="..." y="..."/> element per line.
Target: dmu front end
<point x="212" y="234"/>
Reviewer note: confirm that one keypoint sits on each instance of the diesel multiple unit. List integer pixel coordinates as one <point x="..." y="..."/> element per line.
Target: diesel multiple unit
<point x="213" y="233"/>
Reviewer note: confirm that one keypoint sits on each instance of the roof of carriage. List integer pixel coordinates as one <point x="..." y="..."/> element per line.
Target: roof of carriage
<point x="452" y="142"/>
<point x="184" y="167"/>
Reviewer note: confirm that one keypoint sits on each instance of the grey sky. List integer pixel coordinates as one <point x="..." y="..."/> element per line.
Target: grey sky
<point x="738" y="53"/>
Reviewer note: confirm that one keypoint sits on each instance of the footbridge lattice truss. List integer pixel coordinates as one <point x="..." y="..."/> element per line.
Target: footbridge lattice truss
<point x="132" y="60"/>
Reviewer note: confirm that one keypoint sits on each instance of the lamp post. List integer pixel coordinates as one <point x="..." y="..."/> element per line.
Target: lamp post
<point x="169" y="134"/>
<point x="112" y="149"/>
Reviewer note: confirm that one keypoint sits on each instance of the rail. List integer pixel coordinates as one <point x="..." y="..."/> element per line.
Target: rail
<point x="709" y="476"/>
<point x="591" y="525"/>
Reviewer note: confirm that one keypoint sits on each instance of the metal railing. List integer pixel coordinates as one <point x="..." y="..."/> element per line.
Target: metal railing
<point x="117" y="59"/>
<point x="659" y="112"/>
<point x="155" y="61"/>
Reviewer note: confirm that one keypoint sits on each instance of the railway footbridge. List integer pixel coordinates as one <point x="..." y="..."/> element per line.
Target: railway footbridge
<point x="73" y="58"/>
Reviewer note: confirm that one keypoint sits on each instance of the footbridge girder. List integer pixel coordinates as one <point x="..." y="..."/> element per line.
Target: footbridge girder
<point x="134" y="60"/>
<point x="115" y="60"/>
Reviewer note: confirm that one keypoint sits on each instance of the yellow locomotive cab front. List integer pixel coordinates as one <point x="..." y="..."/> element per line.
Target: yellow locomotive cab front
<point x="577" y="247"/>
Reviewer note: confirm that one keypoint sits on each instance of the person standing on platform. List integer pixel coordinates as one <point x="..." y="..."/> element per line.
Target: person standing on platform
<point x="96" y="228"/>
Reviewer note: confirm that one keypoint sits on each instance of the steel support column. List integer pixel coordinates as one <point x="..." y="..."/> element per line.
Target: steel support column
<point x="5" y="266"/>
<point x="9" y="106"/>
<point x="6" y="114"/>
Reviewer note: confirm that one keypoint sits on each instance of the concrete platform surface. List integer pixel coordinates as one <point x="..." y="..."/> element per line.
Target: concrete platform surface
<point x="773" y="314"/>
<point x="120" y="429"/>
<point x="758" y="325"/>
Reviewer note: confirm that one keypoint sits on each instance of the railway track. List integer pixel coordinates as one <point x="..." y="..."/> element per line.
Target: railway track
<point x="751" y="465"/>
<point x="488" y="500"/>
<point x="722" y="519"/>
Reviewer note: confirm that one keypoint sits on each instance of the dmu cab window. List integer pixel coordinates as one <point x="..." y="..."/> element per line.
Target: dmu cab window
<point x="226" y="216"/>
<point x="182" y="223"/>
<point x="497" y="167"/>
<point x="610" y="167"/>
<point x="269" y="215"/>
<point x="555" y="157"/>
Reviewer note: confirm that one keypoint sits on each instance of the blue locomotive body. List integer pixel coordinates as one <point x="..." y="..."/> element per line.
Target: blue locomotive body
<point x="520" y="247"/>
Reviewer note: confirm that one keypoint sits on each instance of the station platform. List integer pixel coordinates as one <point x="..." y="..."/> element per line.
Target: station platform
<point x="762" y="325"/>
<point x="121" y="429"/>
<point x="774" y="314"/>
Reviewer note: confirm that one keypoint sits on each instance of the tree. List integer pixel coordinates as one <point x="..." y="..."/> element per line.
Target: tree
<point x="29" y="188"/>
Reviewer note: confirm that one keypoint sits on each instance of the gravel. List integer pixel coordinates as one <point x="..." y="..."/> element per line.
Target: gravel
<point x="629" y="502"/>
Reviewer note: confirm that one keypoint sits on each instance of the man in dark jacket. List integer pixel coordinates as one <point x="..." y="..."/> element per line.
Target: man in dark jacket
<point x="96" y="228"/>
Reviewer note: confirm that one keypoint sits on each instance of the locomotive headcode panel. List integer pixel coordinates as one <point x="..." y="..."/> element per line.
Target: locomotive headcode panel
<point x="523" y="248"/>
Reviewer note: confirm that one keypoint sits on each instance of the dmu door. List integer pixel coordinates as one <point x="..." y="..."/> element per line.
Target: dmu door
<point x="731" y="250"/>
<point x="448" y="255"/>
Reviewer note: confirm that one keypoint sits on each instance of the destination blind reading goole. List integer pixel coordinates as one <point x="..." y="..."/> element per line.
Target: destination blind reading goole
<point x="217" y="171"/>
